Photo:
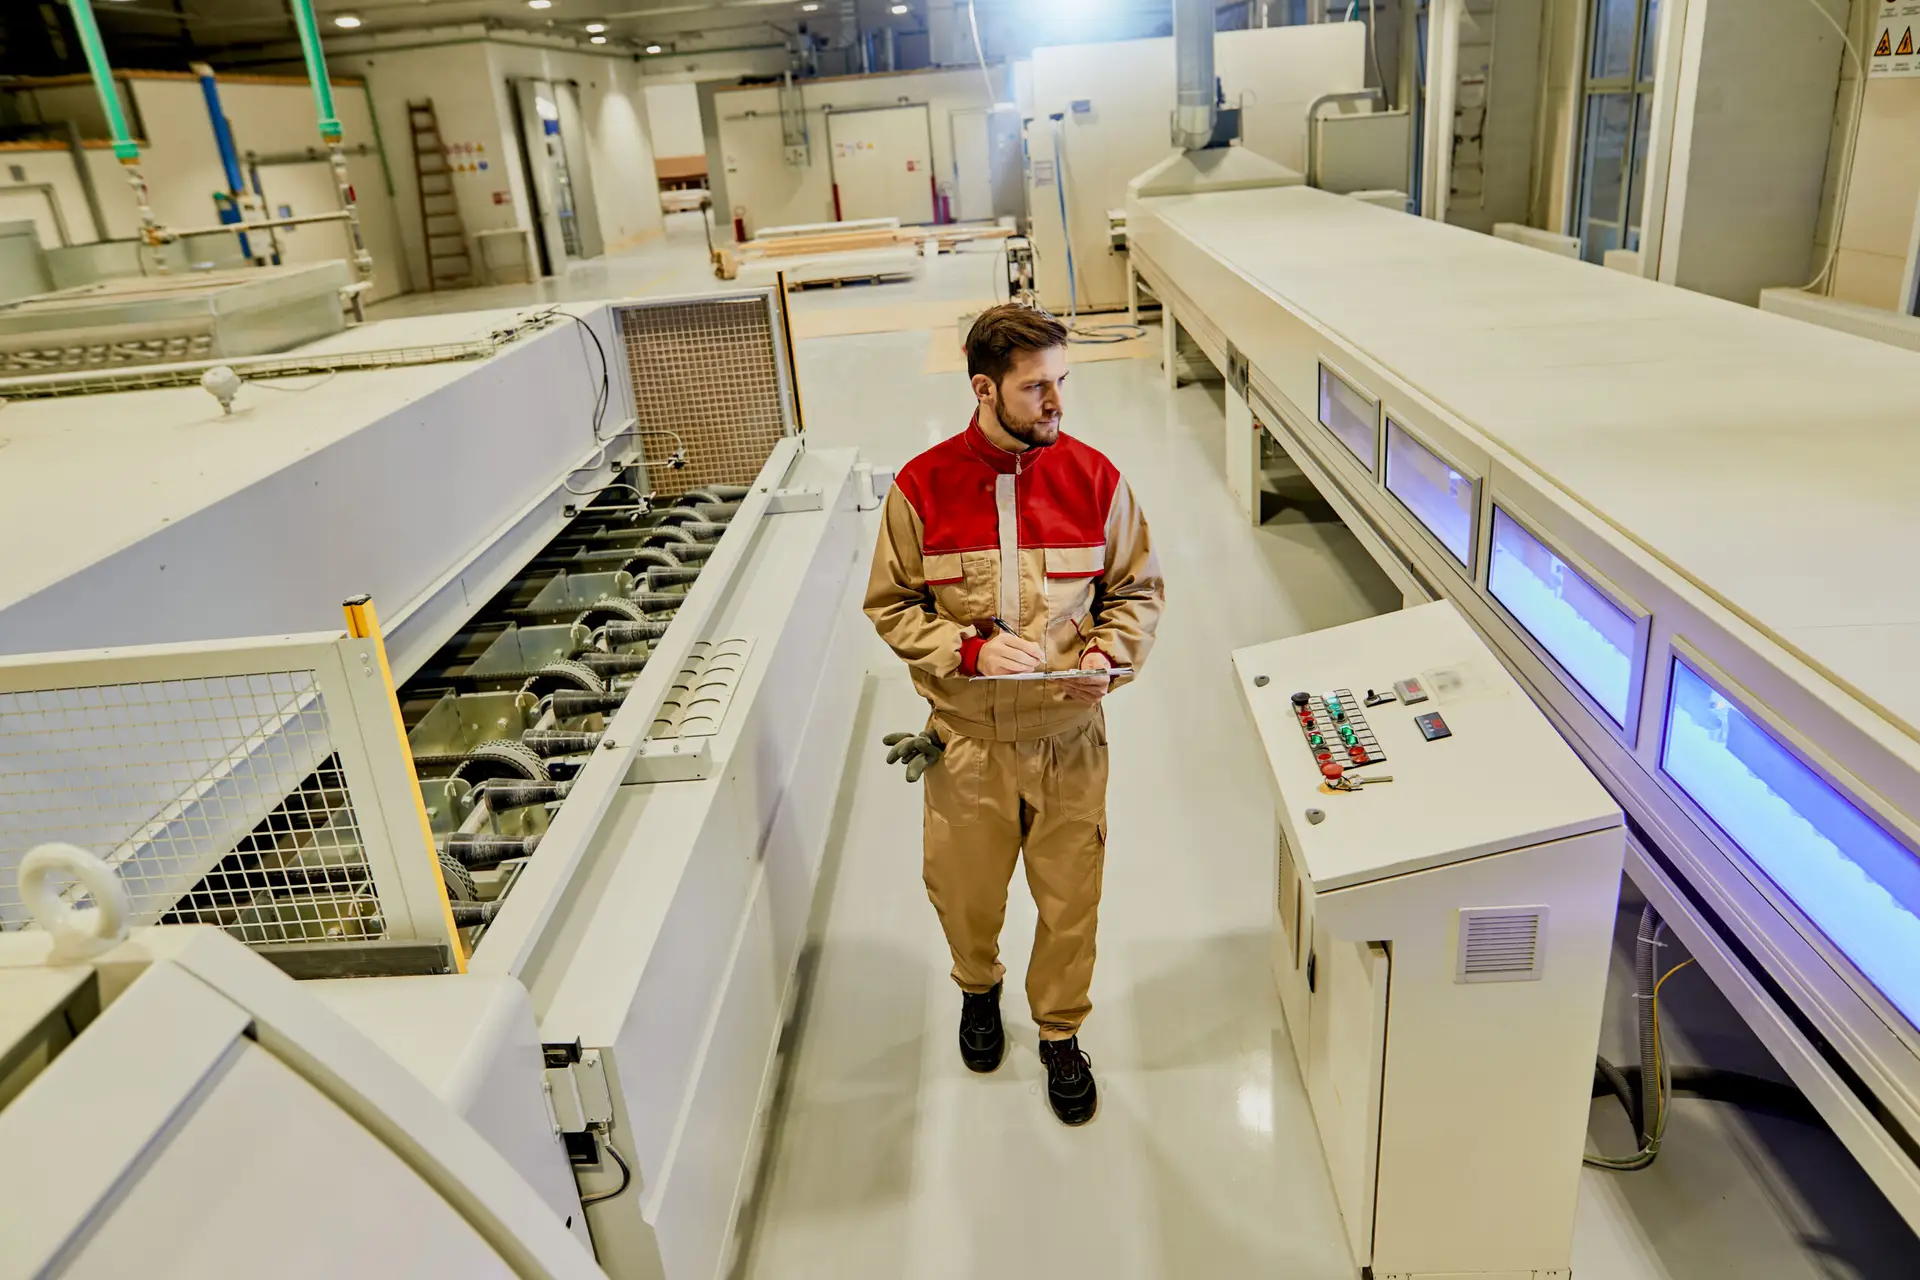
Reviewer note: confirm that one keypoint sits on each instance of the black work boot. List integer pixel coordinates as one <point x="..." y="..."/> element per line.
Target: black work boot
<point x="982" y="1039"/>
<point x="1070" y="1085"/>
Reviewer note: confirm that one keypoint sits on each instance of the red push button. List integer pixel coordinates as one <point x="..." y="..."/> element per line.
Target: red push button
<point x="1331" y="772"/>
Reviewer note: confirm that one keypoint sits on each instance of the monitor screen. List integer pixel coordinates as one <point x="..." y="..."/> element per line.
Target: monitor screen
<point x="1439" y="497"/>
<point x="1352" y="417"/>
<point x="1852" y="878"/>
<point x="1591" y="637"/>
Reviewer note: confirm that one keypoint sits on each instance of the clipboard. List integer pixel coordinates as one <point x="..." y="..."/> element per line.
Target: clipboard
<point x="1077" y="674"/>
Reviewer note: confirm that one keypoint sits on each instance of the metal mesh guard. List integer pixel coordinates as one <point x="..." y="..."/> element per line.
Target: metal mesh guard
<point x="705" y="371"/>
<point x="217" y="800"/>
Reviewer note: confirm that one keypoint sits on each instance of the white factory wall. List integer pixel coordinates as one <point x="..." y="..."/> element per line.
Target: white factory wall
<point x="773" y="193"/>
<point x="1556" y="131"/>
<point x="695" y="66"/>
<point x="182" y="166"/>
<point x="465" y="77"/>
<point x="52" y="163"/>
<point x="673" y="115"/>
<point x="619" y="150"/>
<point x="457" y="78"/>
<point x="1127" y="87"/>
<point x="1753" y="120"/>
<point x="1877" y="210"/>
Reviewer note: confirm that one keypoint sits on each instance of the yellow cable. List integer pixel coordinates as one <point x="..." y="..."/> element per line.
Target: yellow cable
<point x="1659" y="1057"/>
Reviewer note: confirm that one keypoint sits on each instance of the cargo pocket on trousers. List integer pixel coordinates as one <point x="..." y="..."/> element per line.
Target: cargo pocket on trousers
<point x="1079" y="773"/>
<point x="952" y="787"/>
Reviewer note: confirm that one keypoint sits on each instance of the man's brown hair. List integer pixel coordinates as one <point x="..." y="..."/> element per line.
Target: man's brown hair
<point x="1000" y="331"/>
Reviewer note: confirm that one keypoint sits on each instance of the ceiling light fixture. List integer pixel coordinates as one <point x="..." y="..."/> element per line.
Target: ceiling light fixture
<point x="897" y="9"/>
<point x="348" y="21"/>
<point x="595" y="28"/>
<point x="653" y="48"/>
<point x="596" y="39"/>
<point x="809" y="8"/>
<point x="539" y="4"/>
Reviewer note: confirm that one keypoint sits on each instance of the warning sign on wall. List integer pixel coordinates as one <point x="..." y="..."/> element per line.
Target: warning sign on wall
<point x="1892" y="52"/>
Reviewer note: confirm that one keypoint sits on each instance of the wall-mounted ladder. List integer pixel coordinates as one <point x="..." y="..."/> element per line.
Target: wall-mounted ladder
<point x="449" y="261"/>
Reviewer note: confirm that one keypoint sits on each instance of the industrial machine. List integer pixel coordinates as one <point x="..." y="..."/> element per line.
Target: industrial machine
<point x="1446" y="875"/>
<point x="577" y="782"/>
<point x="232" y="1124"/>
<point x="1631" y="492"/>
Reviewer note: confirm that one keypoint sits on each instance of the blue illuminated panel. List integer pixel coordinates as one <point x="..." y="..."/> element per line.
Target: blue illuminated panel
<point x="1351" y="417"/>
<point x="1591" y="637"/>
<point x="1438" y="496"/>
<point x="1857" y="883"/>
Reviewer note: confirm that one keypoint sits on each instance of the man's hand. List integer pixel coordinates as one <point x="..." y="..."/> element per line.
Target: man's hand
<point x="1089" y="688"/>
<point x="920" y="751"/>
<point x="1006" y="654"/>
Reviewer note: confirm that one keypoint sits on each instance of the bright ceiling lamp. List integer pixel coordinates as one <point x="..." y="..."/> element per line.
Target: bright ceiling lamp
<point x="898" y="9"/>
<point x="348" y="21"/>
<point x="539" y="4"/>
<point x="653" y="48"/>
<point x="596" y="39"/>
<point x="595" y="28"/>
<point x="809" y="8"/>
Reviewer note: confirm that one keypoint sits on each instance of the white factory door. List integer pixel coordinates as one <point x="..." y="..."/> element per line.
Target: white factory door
<point x="972" y="165"/>
<point x="882" y="163"/>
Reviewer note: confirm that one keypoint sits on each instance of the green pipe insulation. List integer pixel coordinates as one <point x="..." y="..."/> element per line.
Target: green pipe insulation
<point x="123" y="147"/>
<point x="316" y="67"/>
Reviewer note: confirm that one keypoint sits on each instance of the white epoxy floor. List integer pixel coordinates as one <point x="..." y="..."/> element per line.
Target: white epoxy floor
<point x="891" y="1159"/>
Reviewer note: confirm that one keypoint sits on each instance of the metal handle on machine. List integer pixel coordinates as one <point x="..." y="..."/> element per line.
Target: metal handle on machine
<point x="1313" y="124"/>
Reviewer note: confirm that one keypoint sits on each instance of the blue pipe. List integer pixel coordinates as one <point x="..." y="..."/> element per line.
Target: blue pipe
<point x="229" y="154"/>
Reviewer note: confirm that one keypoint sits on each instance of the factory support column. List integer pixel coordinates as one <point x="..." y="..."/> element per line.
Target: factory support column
<point x="330" y="132"/>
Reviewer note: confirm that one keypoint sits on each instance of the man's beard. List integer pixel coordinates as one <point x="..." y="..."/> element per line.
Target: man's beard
<point x="1037" y="433"/>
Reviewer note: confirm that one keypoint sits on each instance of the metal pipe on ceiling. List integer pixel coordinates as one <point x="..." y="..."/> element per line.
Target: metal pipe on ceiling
<point x="1193" y="112"/>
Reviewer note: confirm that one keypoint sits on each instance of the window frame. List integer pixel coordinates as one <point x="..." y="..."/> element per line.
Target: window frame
<point x="1327" y="368"/>
<point x="1824" y="767"/>
<point x="1629" y="733"/>
<point x="1389" y="423"/>
<point x="1640" y="94"/>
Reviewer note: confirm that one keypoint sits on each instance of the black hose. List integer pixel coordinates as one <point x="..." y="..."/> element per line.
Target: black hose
<point x="468" y="914"/>
<point x="679" y="515"/>
<point x="691" y="552"/>
<point x="718" y="512"/>
<point x="631" y="632"/>
<point x="501" y="794"/>
<point x="559" y="742"/>
<point x="483" y="852"/>
<point x="1735" y="1088"/>
<point x="612" y="664"/>
<point x="1646" y="972"/>
<point x="669" y="533"/>
<point x="670" y="577"/>
<point x="658" y="602"/>
<point x="640" y="560"/>
<point x="568" y="704"/>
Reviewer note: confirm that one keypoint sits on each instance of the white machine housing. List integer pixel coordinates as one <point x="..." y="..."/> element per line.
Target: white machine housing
<point x="189" y="1110"/>
<point x="1688" y="461"/>
<point x="653" y="938"/>
<point x="1440" y="945"/>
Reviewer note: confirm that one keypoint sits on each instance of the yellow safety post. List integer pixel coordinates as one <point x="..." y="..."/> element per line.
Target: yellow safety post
<point x="364" y="624"/>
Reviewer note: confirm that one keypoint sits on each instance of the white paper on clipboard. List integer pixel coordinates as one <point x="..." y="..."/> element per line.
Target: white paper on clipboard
<point x="1077" y="674"/>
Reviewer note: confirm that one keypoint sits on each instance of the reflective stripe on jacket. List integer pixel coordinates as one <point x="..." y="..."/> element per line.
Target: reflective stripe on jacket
<point x="1050" y="540"/>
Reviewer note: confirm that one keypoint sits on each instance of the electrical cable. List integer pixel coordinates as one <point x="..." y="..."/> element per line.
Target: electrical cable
<point x="626" y="1176"/>
<point x="1373" y="44"/>
<point x="1847" y="156"/>
<point x="973" y="20"/>
<point x="1663" y="1084"/>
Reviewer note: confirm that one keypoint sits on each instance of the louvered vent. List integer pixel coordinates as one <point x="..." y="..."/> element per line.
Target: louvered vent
<point x="1501" y="944"/>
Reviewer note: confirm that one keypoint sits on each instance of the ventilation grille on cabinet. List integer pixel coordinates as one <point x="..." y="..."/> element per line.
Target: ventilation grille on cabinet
<point x="1500" y="944"/>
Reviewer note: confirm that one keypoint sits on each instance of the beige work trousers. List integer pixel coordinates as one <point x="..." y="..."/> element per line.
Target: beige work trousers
<point x="988" y="802"/>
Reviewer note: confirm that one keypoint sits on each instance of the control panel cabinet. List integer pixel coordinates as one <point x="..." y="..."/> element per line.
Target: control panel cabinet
<point x="1446" y="876"/>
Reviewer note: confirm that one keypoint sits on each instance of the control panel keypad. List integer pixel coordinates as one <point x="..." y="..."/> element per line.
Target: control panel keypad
<point x="1336" y="729"/>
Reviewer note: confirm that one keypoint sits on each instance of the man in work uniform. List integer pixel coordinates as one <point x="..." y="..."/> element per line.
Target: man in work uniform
<point x="1006" y="550"/>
